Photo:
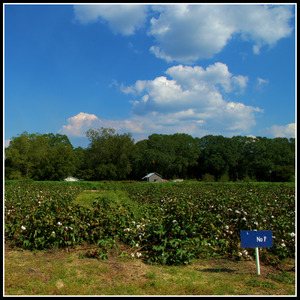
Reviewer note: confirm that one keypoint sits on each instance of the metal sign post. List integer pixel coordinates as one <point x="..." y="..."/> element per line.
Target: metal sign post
<point x="257" y="261"/>
<point x="256" y="239"/>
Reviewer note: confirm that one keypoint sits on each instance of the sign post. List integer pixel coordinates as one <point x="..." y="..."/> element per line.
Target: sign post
<point x="256" y="239"/>
<point x="257" y="261"/>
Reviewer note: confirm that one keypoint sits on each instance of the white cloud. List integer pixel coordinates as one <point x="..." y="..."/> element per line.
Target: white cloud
<point x="240" y="81"/>
<point x="265" y="25"/>
<point x="124" y="19"/>
<point x="7" y="142"/>
<point x="80" y="123"/>
<point x="262" y="82"/>
<point x="186" y="33"/>
<point x="192" y="101"/>
<point x="256" y="49"/>
<point x="188" y="99"/>
<point x="288" y="130"/>
<point x="214" y="75"/>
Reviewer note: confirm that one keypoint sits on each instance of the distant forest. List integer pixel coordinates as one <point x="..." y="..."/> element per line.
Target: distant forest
<point x="113" y="156"/>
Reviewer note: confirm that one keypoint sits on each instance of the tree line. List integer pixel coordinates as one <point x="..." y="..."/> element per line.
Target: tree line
<point x="114" y="156"/>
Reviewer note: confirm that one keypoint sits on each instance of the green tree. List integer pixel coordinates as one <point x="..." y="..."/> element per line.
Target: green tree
<point x="261" y="162"/>
<point x="186" y="151"/>
<point x="239" y="157"/>
<point x="283" y="156"/>
<point x="169" y="155"/>
<point x="62" y="159"/>
<point x="109" y="154"/>
<point x="141" y="164"/>
<point x="80" y="162"/>
<point x="214" y="156"/>
<point x="39" y="157"/>
<point x="24" y="153"/>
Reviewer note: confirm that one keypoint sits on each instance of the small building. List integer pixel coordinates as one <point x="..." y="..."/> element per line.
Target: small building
<point x="70" y="178"/>
<point x="153" y="177"/>
<point x="177" y="180"/>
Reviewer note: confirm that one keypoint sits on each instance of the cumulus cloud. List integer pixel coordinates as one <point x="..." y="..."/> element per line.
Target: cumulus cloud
<point x="124" y="19"/>
<point x="192" y="101"/>
<point x="284" y="130"/>
<point x="263" y="24"/>
<point x="186" y="33"/>
<point x="80" y="123"/>
<point x="214" y="75"/>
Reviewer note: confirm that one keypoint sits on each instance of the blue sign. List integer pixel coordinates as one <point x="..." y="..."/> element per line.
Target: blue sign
<point x="260" y="238"/>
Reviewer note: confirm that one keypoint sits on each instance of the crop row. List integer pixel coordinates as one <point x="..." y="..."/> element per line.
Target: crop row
<point x="162" y="223"/>
<point x="207" y="219"/>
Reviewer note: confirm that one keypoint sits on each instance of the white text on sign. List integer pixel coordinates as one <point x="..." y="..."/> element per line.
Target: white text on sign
<point x="261" y="240"/>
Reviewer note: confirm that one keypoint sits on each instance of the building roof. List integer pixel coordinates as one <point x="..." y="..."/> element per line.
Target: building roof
<point x="70" y="178"/>
<point x="150" y="174"/>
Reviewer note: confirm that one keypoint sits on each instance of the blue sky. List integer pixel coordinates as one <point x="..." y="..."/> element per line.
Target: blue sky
<point x="143" y="69"/>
